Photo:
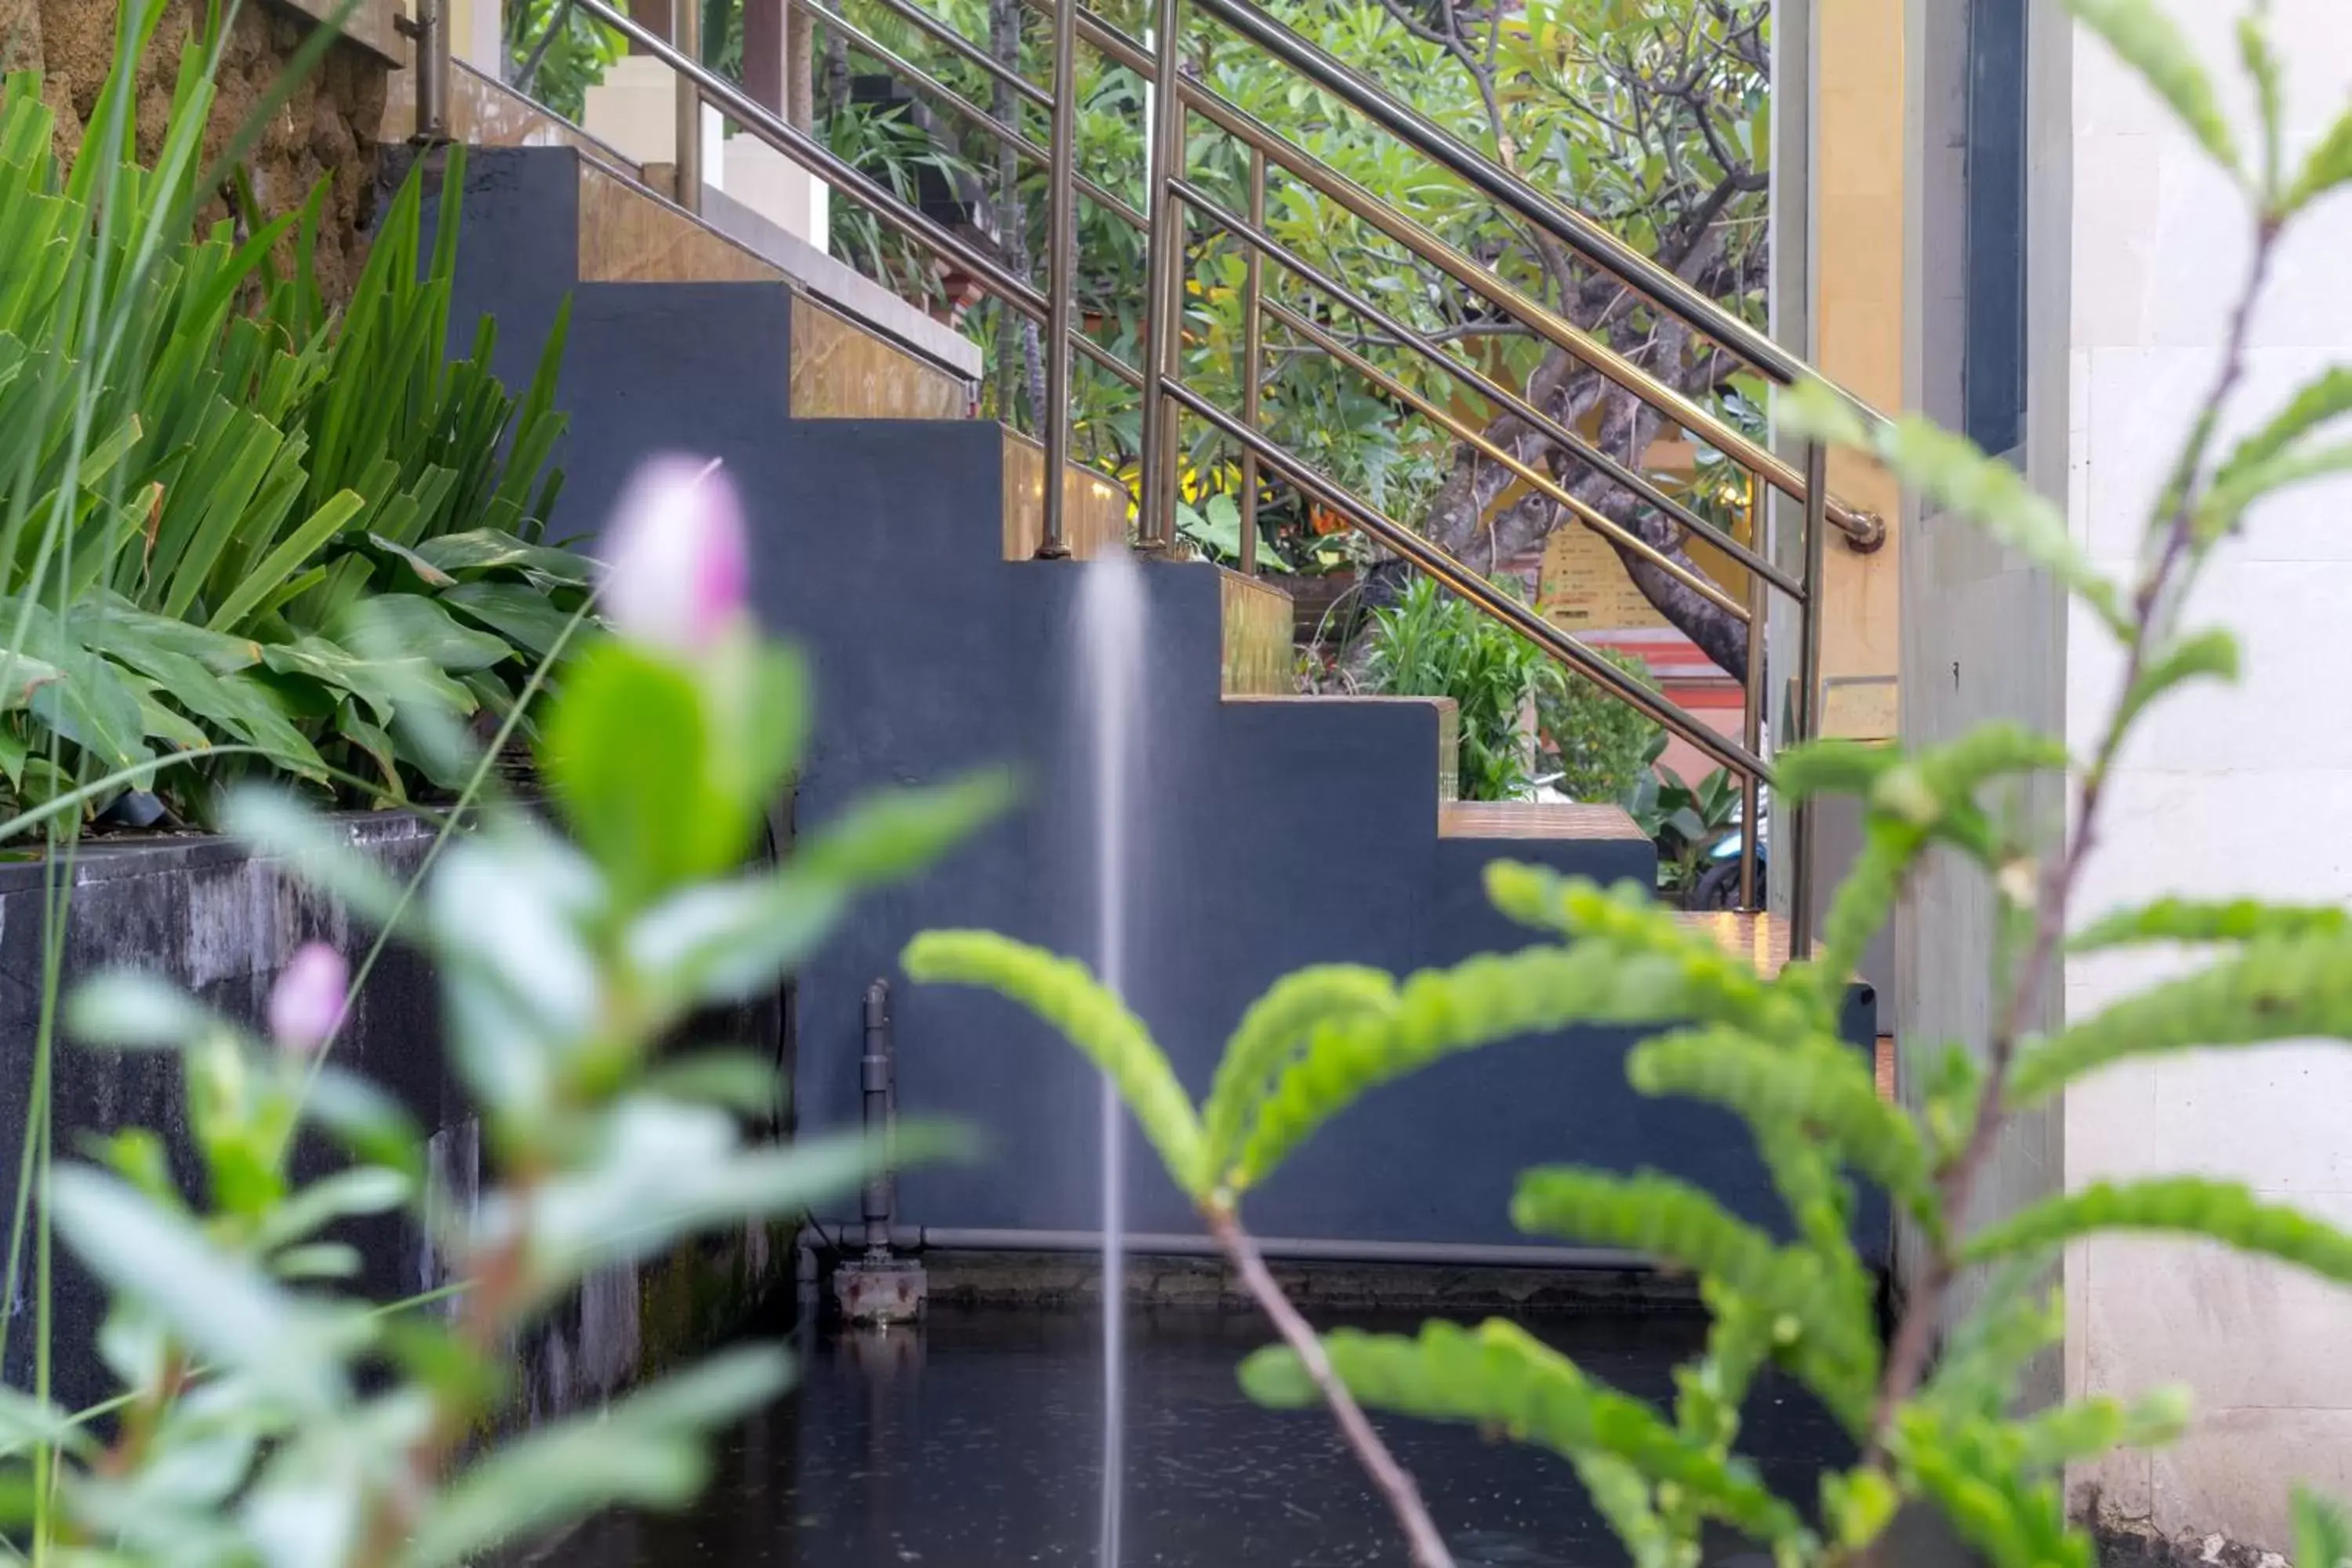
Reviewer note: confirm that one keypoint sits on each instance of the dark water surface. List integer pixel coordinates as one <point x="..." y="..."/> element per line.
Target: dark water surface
<point x="973" y="1442"/>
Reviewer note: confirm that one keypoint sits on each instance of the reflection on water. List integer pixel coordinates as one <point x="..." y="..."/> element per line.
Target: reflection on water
<point x="975" y="1442"/>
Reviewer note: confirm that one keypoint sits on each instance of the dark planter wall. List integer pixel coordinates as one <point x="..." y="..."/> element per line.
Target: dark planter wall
<point x="209" y="916"/>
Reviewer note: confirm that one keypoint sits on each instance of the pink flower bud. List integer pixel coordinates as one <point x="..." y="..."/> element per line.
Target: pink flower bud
<point x="677" y="559"/>
<point x="306" y="1005"/>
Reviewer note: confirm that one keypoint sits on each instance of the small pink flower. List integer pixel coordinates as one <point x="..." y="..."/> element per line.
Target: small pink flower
<point x="676" y="558"/>
<point x="306" y="1005"/>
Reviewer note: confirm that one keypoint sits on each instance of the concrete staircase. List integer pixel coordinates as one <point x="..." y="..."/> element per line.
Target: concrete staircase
<point x="895" y="542"/>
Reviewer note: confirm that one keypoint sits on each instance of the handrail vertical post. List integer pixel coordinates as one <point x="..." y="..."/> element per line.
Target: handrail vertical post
<point x="1061" y="275"/>
<point x="430" y="29"/>
<point x="686" y="33"/>
<point x="1805" y="721"/>
<point x="1253" y="360"/>
<point x="1163" y="301"/>
<point x="1751" y="728"/>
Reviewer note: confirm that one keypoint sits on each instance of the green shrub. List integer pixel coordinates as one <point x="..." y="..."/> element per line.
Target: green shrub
<point x="1430" y="643"/>
<point x="246" y="468"/>
<point x="1601" y="748"/>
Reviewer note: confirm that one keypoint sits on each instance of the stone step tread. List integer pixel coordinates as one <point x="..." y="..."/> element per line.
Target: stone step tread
<point x="1537" y="819"/>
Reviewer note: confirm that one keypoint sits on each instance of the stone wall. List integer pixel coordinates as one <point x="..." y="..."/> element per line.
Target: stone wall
<point x="327" y="129"/>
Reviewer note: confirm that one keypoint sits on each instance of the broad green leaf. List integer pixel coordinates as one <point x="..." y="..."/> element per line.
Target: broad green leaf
<point x="220" y="1305"/>
<point x="2145" y="37"/>
<point x="889" y="835"/>
<point x="137" y="1009"/>
<point x="421" y="627"/>
<point x="664" y="1171"/>
<point x="649" y="1450"/>
<point x="627" y="751"/>
<point x="1064" y="994"/>
<point x="2226" y="503"/>
<point x="1276" y="1026"/>
<point x="1500" y="1377"/>
<point x="2193" y="921"/>
<point x="521" y="614"/>
<point x="2226" y="1212"/>
<point x="742" y="1082"/>
<point x="729" y="940"/>
<point x="484" y="550"/>
<point x="384" y="683"/>
<point x="2282" y="988"/>
<point x="361" y="1190"/>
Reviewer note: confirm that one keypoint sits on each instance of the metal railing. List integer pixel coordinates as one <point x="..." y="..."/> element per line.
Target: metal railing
<point x="1175" y="203"/>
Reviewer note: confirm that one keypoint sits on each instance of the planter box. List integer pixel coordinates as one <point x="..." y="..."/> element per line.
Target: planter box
<point x="222" y="922"/>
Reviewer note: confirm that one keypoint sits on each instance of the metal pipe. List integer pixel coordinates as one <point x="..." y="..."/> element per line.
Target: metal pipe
<point x="1163" y="300"/>
<point x="1751" y="720"/>
<point x="923" y="21"/>
<point x="1805" y="721"/>
<point x="878" y="1071"/>
<point x="1544" y="483"/>
<point x="685" y="23"/>
<point x="1454" y="575"/>
<point x="430" y="30"/>
<point x="1061" y="279"/>
<point x="967" y="109"/>
<point x="1494" y="392"/>
<point x="1298" y="1249"/>
<point x="1253" y="361"/>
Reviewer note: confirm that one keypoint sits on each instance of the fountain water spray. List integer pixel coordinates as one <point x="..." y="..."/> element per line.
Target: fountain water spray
<point x="1111" y="615"/>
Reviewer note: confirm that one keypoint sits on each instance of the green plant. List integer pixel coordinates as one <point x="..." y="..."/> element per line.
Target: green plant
<point x="1433" y="644"/>
<point x="885" y="144"/>
<point x="250" y="466"/>
<point x="1936" y="1425"/>
<point x="1684" y="822"/>
<point x="556" y="53"/>
<point x="265" y="1415"/>
<point x="1601" y="749"/>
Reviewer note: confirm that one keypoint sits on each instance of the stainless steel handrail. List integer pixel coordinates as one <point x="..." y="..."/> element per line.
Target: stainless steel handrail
<point x="1174" y="199"/>
<point x="1459" y="579"/>
<point x="1262" y="243"/>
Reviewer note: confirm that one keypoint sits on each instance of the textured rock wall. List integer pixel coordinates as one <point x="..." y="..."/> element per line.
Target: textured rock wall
<point x="327" y="129"/>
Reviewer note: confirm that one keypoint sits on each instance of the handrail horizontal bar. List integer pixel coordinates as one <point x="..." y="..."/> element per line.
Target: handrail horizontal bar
<point x="1552" y="489"/>
<point x="923" y="21"/>
<point x="1468" y="584"/>
<point x="1010" y="135"/>
<point x="1588" y="239"/>
<point x="1485" y="387"/>
<point x="1107" y="360"/>
<point x="1863" y="531"/>
<point x="818" y="159"/>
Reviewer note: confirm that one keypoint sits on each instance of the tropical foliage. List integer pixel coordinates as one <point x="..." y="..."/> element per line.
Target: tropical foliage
<point x="268" y="1416"/>
<point x="204" y="471"/>
<point x="1935" y="1426"/>
<point x="1430" y="643"/>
